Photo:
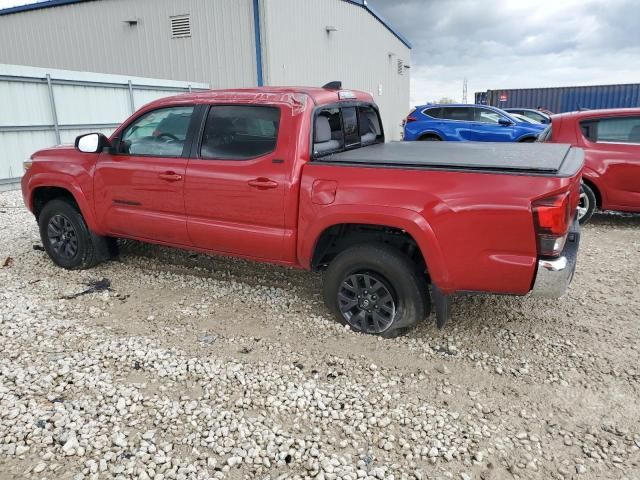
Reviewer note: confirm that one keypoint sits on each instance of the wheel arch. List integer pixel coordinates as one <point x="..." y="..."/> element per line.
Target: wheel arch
<point x="388" y="222"/>
<point x="43" y="189"/>
<point x="429" y="133"/>
<point x="527" y="137"/>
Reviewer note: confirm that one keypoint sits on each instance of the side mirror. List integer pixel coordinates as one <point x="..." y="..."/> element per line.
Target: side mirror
<point x="91" y="142"/>
<point x="505" y="122"/>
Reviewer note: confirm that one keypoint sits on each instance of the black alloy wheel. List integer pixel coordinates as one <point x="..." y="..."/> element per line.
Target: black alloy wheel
<point x="366" y="302"/>
<point x="62" y="237"/>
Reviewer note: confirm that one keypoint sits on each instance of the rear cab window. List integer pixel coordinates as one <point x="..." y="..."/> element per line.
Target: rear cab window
<point x="612" y="129"/>
<point x="345" y="127"/>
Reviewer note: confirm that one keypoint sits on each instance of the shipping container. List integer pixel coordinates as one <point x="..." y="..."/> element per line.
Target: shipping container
<point x="564" y="99"/>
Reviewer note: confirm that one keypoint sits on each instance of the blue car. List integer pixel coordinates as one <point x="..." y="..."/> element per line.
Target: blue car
<point x="467" y="123"/>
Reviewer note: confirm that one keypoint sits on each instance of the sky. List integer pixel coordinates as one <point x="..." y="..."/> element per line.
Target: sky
<point x="500" y="44"/>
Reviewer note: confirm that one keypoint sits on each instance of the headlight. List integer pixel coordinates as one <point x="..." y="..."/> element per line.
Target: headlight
<point x="26" y="165"/>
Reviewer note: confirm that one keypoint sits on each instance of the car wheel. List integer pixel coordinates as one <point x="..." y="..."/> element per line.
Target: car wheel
<point x="528" y="140"/>
<point x="430" y="138"/>
<point x="65" y="236"/>
<point x="587" y="204"/>
<point x="376" y="289"/>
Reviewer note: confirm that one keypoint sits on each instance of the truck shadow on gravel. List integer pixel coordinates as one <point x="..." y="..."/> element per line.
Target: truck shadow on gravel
<point x="470" y="313"/>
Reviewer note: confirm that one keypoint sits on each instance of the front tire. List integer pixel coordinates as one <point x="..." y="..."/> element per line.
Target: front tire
<point x="65" y="236"/>
<point x="587" y="204"/>
<point x="376" y="289"/>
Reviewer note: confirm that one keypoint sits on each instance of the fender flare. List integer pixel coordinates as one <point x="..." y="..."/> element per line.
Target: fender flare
<point x="404" y="219"/>
<point x="66" y="182"/>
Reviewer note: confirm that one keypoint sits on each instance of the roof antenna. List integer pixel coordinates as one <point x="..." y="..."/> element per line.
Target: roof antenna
<point x="335" y="85"/>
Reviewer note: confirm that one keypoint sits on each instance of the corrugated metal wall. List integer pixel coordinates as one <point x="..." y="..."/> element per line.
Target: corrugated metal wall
<point x="567" y="99"/>
<point x="82" y="102"/>
<point x="296" y="47"/>
<point x="94" y="36"/>
<point x="362" y="52"/>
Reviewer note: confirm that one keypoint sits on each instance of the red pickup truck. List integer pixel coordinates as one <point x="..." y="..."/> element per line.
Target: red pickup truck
<point x="610" y="139"/>
<point x="302" y="177"/>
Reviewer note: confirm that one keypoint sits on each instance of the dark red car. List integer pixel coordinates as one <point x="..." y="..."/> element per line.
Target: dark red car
<point x="611" y="143"/>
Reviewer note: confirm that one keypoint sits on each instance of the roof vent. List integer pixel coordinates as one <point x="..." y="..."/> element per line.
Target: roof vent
<point x="180" y="26"/>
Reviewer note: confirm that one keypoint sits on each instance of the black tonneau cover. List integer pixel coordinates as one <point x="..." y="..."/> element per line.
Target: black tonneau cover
<point x="531" y="158"/>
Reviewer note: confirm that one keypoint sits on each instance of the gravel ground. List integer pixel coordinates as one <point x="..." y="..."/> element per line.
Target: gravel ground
<point x="193" y="366"/>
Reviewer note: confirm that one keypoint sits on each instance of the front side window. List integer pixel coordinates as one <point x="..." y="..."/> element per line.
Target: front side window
<point x="612" y="130"/>
<point x="484" y="115"/>
<point x="535" y="116"/>
<point x="240" y="132"/>
<point x="160" y="133"/>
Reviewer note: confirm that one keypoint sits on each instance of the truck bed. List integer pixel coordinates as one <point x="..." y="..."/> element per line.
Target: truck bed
<point x="517" y="158"/>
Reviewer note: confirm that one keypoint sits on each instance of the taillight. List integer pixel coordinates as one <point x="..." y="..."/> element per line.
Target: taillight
<point x="552" y="217"/>
<point x="410" y="119"/>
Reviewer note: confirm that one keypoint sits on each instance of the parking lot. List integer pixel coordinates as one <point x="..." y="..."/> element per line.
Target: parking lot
<point x="190" y="366"/>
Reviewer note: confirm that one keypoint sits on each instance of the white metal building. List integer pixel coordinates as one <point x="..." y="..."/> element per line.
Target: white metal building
<point x="224" y="43"/>
<point x="42" y="107"/>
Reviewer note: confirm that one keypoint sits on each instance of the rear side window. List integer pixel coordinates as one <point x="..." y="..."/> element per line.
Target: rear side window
<point x="240" y="132"/>
<point x="433" y="112"/>
<point x="612" y="130"/>
<point x="457" y="113"/>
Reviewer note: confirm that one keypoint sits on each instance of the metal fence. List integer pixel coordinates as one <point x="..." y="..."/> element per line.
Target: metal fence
<point x="44" y="107"/>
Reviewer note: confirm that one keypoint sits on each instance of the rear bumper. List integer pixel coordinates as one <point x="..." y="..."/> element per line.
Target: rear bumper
<point x="554" y="275"/>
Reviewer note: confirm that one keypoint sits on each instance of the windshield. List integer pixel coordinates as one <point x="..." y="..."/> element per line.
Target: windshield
<point x="546" y="135"/>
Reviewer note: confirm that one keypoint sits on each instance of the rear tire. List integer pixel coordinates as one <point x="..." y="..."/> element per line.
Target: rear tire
<point x="430" y="138"/>
<point x="376" y="289"/>
<point x="66" y="237"/>
<point x="587" y="205"/>
<point x="528" y="140"/>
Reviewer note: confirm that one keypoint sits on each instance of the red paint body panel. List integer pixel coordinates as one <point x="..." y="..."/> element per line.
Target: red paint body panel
<point x="613" y="168"/>
<point x="475" y="230"/>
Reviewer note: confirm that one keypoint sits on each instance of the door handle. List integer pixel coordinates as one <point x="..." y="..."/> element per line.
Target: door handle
<point x="170" y="176"/>
<point x="262" y="183"/>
